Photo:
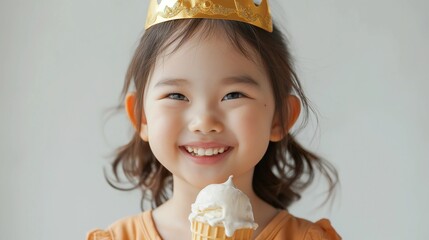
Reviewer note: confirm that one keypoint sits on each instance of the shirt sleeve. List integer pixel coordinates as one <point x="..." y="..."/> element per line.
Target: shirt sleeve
<point x="98" y="234"/>
<point x="322" y="230"/>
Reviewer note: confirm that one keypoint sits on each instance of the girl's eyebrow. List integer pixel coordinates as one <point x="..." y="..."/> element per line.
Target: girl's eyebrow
<point x="241" y="79"/>
<point x="244" y="79"/>
<point x="171" y="82"/>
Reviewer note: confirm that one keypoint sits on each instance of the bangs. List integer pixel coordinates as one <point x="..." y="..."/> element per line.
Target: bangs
<point x="244" y="37"/>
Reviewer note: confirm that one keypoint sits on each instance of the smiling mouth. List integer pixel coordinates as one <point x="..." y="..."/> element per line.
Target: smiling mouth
<point x="203" y="152"/>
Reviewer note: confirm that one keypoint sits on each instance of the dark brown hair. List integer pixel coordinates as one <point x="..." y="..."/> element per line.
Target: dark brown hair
<point x="285" y="170"/>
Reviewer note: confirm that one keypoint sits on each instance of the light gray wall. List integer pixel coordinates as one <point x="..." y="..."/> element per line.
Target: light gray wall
<point x="363" y="64"/>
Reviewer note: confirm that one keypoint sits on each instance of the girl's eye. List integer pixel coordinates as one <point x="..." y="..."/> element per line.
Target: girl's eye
<point x="177" y="96"/>
<point x="233" y="95"/>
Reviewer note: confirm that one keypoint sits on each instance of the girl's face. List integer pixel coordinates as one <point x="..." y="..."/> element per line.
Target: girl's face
<point x="208" y="111"/>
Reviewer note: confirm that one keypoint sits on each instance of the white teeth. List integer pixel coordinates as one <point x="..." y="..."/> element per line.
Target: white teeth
<point x="201" y="152"/>
<point x="209" y="152"/>
<point x="205" y="151"/>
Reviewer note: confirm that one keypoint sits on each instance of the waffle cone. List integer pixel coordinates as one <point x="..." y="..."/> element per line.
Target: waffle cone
<point x="203" y="231"/>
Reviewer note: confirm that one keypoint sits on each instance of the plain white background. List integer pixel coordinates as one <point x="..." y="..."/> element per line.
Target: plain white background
<point x="363" y="64"/>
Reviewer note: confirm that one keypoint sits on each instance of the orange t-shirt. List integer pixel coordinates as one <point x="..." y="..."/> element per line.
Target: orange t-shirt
<point x="283" y="226"/>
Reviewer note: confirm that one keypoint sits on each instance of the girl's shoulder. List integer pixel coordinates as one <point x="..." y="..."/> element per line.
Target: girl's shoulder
<point x="282" y="226"/>
<point x="286" y="226"/>
<point x="139" y="226"/>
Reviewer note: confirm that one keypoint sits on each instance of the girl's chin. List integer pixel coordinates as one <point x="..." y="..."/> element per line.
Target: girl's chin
<point x="201" y="180"/>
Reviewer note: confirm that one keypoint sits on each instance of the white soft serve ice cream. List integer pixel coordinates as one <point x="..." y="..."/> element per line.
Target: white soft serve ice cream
<point x="223" y="205"/>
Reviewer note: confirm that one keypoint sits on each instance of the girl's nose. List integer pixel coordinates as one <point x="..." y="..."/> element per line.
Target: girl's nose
<point x="205" y="123"/>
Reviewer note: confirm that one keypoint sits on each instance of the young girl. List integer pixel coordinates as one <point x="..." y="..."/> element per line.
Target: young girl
<point x="213" y="97"/>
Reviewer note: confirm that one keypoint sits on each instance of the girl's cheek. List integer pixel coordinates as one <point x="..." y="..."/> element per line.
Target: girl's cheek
<point x="160" y="120"/>
<point x="251" y="121"/>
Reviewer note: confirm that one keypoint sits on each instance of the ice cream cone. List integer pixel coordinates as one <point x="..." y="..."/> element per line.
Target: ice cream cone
<point x="222" y="212"/>
<point x="203" y="231"/>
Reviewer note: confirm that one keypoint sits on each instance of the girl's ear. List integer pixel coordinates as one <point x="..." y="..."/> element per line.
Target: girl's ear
<point x="293" y="105"/>
<point x="130" y="107"/>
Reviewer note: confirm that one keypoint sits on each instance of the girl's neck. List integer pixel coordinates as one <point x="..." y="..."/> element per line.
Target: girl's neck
<point x="171" y="218"/>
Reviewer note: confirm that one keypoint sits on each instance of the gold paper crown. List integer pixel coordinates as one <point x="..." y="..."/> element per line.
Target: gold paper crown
<point x="238" y="10"/>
